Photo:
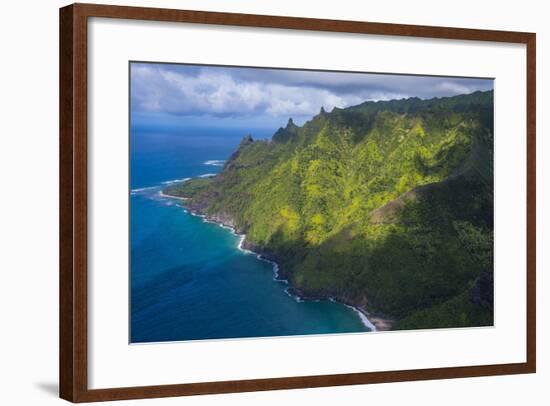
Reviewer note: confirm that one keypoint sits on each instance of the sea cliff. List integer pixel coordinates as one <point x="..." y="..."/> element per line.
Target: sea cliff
<point x="384" y="206"/>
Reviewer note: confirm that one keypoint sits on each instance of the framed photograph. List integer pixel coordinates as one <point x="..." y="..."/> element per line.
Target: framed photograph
<point x="255" y="202"/>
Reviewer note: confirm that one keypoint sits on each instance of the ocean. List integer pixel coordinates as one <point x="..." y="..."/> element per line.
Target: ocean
<point x="188" y="278"/>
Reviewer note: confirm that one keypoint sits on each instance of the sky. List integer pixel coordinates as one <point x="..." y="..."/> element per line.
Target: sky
<point x="173" y="95"/>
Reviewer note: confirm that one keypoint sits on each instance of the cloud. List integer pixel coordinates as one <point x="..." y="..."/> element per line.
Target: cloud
<point x="189" y="90"/>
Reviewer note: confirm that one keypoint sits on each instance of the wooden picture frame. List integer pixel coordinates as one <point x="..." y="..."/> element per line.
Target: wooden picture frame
<point x="73" y="209"/>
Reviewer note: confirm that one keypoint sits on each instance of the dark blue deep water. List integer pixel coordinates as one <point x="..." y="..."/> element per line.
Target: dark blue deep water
<point x="188" y="279"/>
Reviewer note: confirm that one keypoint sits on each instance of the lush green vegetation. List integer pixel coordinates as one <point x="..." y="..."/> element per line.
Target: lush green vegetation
<point x="386" y="205"/>
<point x="188" y="188"/>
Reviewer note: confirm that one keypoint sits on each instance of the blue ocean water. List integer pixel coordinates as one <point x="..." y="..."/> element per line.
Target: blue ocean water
<point x="188" y="279"/>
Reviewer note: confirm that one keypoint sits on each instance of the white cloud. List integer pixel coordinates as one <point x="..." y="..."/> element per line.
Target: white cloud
<point x="455" y="88"/>
<point x="219" y="91"/>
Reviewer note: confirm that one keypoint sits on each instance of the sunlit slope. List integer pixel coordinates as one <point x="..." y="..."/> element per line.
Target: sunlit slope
<point x="384" y="205"/>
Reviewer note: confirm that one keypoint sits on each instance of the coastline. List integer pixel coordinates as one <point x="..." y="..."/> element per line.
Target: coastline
<point x="373" y="323"/>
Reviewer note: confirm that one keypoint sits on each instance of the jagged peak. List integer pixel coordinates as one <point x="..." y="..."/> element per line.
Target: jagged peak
<point x="247" y="139"/>
<point x="285" y="133"/>
<point x="322" y="110"/>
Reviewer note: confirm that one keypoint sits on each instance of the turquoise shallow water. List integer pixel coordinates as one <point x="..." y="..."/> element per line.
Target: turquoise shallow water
<point x="188" y="279"/>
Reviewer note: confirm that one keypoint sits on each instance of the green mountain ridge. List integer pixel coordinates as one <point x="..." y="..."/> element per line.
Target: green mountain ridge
<point x="387" y="206"/>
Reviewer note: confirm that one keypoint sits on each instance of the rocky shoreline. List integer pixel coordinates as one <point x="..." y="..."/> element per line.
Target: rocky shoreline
<point x="379" y="322"/>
